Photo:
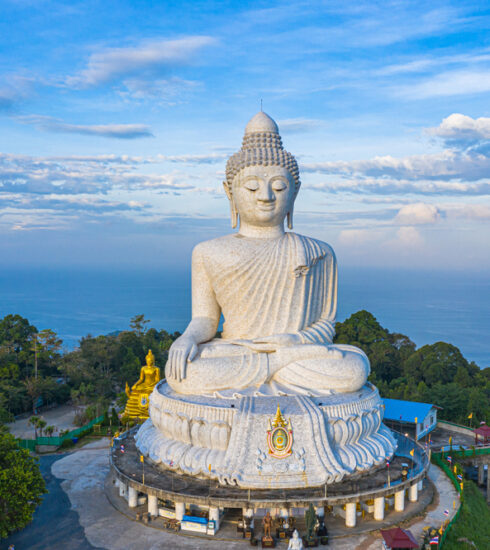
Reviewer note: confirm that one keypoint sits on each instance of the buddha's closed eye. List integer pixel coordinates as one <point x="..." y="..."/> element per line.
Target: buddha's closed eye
<point x="251" y="185"/>
<point x="279" y="185"/>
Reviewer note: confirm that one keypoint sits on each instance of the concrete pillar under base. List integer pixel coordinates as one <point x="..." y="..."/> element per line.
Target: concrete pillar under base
<point x="152" y="505"/>
<point x="123" y="489"/>
<point x="481" y="473"/>
<point x="179" y="510"/>
<point x="132" y="497"/>
<point x="413" y="493"/>
<point x="379" y="508"/>
<point x="350" y="514"/>
<point x="214" y="515"/>
<point x="400" y="501"/>
<point x="488" y="482"/>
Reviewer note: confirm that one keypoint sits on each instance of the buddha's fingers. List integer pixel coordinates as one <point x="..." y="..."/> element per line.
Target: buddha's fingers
<point x="193" y="353"/>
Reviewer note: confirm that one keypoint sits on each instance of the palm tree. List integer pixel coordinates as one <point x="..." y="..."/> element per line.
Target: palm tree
<point x="41" y="425"/>
<point x="49" y="430"/>
<point x="34" y="420"/>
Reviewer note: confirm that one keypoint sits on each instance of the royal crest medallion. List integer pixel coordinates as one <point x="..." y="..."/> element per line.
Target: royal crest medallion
<point x="280" y="436"/>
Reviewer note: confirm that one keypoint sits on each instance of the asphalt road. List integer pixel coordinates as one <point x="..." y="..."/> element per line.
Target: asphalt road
<point x="55" y="525"/>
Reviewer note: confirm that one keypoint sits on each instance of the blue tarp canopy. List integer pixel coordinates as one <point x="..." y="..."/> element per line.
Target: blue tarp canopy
<point x="406" y="411"/>
<point x="195" y="519"/>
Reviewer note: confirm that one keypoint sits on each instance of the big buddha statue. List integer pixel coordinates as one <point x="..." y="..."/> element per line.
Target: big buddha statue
<point x="277" y="293"/>
<point x="276" y="290"/>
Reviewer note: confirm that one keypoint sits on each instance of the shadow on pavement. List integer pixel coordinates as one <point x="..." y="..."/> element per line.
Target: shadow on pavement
<point x="55" y="525"/>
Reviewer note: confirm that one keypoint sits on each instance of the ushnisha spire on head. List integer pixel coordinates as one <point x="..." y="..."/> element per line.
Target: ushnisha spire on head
<point x="261" y="146"/>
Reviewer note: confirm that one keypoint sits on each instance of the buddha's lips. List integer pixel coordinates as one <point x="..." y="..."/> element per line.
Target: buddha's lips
<point x="266" y="207"/>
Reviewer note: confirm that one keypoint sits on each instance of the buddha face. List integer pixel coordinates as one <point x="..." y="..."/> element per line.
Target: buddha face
<point x="263" y="195"/>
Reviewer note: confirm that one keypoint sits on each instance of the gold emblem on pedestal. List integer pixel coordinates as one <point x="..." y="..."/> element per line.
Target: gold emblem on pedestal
<point x="139" y="394"/>
<point x="280" y="436"/>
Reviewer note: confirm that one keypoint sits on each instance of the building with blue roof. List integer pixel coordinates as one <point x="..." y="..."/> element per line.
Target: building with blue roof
<point x="402" y="415"/>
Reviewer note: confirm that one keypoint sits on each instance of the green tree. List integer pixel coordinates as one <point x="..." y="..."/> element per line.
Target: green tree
<point x="138" y="324"/>
<point x="435" y="363"/>
<point x="21" y="485"/>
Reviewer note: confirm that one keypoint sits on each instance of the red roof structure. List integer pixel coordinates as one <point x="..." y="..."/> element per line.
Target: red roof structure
<point x="399" y="538"/>
<point x="482" y="433"/>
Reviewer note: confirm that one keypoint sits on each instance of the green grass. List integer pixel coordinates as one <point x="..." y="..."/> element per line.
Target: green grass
<point x="473" y="522"/>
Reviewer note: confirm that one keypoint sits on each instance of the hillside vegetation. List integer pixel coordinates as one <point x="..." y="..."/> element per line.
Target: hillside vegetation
<point x="33" y="369"/>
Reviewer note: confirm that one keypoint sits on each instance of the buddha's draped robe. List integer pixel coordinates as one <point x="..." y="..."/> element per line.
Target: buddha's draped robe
<point x="287" y="285"/>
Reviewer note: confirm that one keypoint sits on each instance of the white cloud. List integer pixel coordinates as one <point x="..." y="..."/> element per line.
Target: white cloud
<point x="293" y="125"/>
<point x="112" y="64"/>
<point x="419" y="213"/>
<point x="119" y="131"/>
<point x="80" y="175"/>
<point x="194" y="159"/>
<point x="450" y="83"/>
<point x="462" y="129"/>
<point x="468" y="211"/>
<point x="164" y="91"/>
<point x="409" y="237"/>
<point x="425" y="63"/>
<point x="354" y="237"/>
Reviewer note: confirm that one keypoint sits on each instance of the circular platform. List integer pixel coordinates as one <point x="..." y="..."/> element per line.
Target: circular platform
<point x="166" y="484"/>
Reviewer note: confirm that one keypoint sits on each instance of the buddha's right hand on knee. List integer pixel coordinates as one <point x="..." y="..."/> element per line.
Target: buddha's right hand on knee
<point x="184" y="349"/>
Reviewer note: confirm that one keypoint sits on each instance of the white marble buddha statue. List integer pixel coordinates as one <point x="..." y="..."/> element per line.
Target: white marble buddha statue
<point x="276" y="290"/>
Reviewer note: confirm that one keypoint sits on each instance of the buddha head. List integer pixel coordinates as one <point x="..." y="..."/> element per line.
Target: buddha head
<point x="262" y="179"/>
<point x="150" y="359"/>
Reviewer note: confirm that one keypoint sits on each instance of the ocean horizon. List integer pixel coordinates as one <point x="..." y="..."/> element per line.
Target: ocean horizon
<point x="427" y="306"/>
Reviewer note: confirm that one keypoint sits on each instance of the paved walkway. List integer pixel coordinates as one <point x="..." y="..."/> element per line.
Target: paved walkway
<point x="55" y="524"/>
<point x="101" y="526"/>
<point x="448" y="500"/>
<point x="60" y="417"/>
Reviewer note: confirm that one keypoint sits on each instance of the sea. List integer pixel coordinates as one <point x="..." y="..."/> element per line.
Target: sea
<point x="427" y="306"/>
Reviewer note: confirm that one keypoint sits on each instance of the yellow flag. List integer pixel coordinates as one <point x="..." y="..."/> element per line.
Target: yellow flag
<point x="450" y="439"/>
<point x="209" y="468"/>
<point x="412" y="451"/>
<point x="455" y="469"/>
<point x="461" y="486"/>
<point x="470" y="416"/>
<point x="142" y="458"/>
<point x="416" y="420"/>
<point x="441" y="530"/>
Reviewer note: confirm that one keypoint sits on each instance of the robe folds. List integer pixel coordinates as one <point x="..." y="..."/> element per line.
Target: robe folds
<point x="288" y="285"/>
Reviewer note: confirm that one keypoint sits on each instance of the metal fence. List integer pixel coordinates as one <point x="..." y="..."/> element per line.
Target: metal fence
<point x="56" y="441"/>
<point x="438" y="459"/>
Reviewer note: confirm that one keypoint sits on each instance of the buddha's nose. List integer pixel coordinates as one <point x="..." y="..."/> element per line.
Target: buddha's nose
<point x="265" y="193"/>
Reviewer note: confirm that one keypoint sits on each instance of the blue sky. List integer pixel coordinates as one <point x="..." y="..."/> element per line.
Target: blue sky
<point x="116" y="119"/>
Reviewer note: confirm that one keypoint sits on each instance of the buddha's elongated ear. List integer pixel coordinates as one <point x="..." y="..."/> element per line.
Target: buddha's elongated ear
<point x="227" y="190"/>
<point x="290" y="219"/>
<point x="233" y="210"/>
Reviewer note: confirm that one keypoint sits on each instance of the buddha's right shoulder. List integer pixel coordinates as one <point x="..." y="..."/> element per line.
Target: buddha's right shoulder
<point x="209" y="249"/>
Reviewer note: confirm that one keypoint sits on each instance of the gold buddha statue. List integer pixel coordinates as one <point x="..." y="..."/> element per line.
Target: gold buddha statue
<point x="139" y="394"/>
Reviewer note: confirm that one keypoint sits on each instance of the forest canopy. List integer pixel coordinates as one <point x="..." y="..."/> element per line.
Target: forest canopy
<point x="35" y="371"/>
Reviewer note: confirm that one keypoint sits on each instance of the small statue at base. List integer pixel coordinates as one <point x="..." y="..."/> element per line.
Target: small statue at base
<point x="138" y="395"/>
<point x="267" y="540"/>
<point x="295" y="542"/>
<point x="267" y="524"/>
<point x="311" y="522"/>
